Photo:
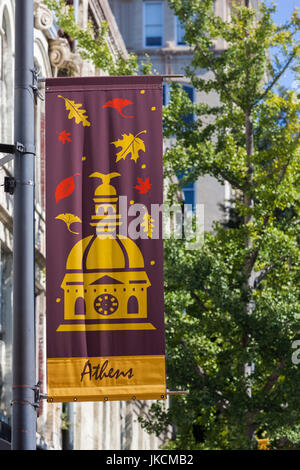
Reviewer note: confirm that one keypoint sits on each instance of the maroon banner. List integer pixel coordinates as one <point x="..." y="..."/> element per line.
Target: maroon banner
<point x="104" y="249"/>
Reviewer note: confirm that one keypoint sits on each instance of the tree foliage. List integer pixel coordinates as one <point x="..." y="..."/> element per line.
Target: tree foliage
<point x="232" y="307"/>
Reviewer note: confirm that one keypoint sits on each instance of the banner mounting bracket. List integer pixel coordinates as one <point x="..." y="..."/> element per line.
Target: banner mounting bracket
<point x="35" y="85"/>
<point x="38" y="396"/>
<point x="21" y="148"/>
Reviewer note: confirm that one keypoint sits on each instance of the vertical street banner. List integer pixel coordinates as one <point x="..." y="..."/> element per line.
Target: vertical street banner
<point x="104" y="247"/>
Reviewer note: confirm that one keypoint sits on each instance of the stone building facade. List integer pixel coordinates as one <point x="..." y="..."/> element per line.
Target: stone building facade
<point x="78" y="426"/>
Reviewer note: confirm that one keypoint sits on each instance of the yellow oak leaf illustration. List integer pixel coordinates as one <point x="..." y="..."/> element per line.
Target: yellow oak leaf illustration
<point x="148" y="224"/>
<point x="75" y="111"/>
<point x="69" y="219"/>
<point x="130" y="144"/>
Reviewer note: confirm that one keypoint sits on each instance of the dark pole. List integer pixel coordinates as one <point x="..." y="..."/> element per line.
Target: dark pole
<point x="24" y="375"/>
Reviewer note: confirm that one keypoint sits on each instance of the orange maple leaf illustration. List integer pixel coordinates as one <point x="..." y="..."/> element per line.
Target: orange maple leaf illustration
<point x="143" y="186"/>
<point x="65" y="137"/>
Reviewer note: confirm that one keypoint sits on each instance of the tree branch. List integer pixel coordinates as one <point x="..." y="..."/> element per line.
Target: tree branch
<point x="275" y="80"/>
<point x="249" y="264"/>
<point x="219" y="80"/>
<point x="266" y="271"/>
<point x="199" y="302"/>
<point x="225" y="403"/>
<point x="273" y="377"/>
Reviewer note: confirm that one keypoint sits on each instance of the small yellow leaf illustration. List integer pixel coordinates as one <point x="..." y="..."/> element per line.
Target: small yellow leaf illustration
<point x="129" y="144"/>
<point x="69" y="219"/>
<point x="75" y="111"/>
<point x="148" y="225"/>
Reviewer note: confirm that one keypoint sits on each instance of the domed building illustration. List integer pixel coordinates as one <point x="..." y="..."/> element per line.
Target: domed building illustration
<point x="105" y="283"/>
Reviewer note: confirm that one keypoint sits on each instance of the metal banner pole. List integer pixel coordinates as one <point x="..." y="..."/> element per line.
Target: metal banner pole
<point x="24" y="374"/>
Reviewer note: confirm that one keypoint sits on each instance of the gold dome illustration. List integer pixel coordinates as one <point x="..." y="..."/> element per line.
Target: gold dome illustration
<point x="105" y="277"/>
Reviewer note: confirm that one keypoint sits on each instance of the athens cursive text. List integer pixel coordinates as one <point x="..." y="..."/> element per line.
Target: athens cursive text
<point x="102" y="371"/>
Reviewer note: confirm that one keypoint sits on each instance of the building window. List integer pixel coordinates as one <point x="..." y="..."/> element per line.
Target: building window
<point x="153" y="24"/>
<point x="80" y="308"/>
<point x="189" y="191"/>
<point x="180" y="32"/>
<point x="166" y="94"/>
<point x="133" y="305"/>
<point x="189" y="89"/>
<point x="189" y="195"/>
<point x="189" y="118"/>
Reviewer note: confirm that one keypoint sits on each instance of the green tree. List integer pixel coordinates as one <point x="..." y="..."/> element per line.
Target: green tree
<point x="93" y="45"/>
<point x="232" y="307"/>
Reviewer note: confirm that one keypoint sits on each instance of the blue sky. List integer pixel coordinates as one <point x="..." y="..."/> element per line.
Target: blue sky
<point x="284" y="9"/>
<point x="283" y="13"/>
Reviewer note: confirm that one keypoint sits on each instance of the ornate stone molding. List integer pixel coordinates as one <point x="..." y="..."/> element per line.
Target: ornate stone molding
<point x="59" y="52"/>
<point x="43" y="17"/>
<point x="61" y="56"/>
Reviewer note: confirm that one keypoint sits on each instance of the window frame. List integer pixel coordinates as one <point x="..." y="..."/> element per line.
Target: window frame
<point x="191" y="187"/>
<point x="148" y="2"/>
<point x="166" y="95"/>
<point x="176" y="24"/>
<point x="193" y="100"/>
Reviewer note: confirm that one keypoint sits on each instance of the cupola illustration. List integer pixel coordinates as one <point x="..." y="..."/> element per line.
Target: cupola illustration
<point x="105" y="283"/>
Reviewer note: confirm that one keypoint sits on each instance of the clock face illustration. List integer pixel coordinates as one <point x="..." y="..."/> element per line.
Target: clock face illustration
<point x="106" y="304"/>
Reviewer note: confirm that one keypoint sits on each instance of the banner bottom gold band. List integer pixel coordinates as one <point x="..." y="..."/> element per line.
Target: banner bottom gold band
<point x="111" y="378"/>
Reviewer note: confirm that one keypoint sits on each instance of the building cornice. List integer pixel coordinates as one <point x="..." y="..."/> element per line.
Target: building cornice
<point x="102" y="12"/>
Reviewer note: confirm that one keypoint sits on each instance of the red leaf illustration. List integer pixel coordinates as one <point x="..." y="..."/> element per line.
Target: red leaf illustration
<point x="65" y="188"/>
<point x="118" y="104"/>
<point x="143" y="186"/>
<point x="65" y="137"/>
